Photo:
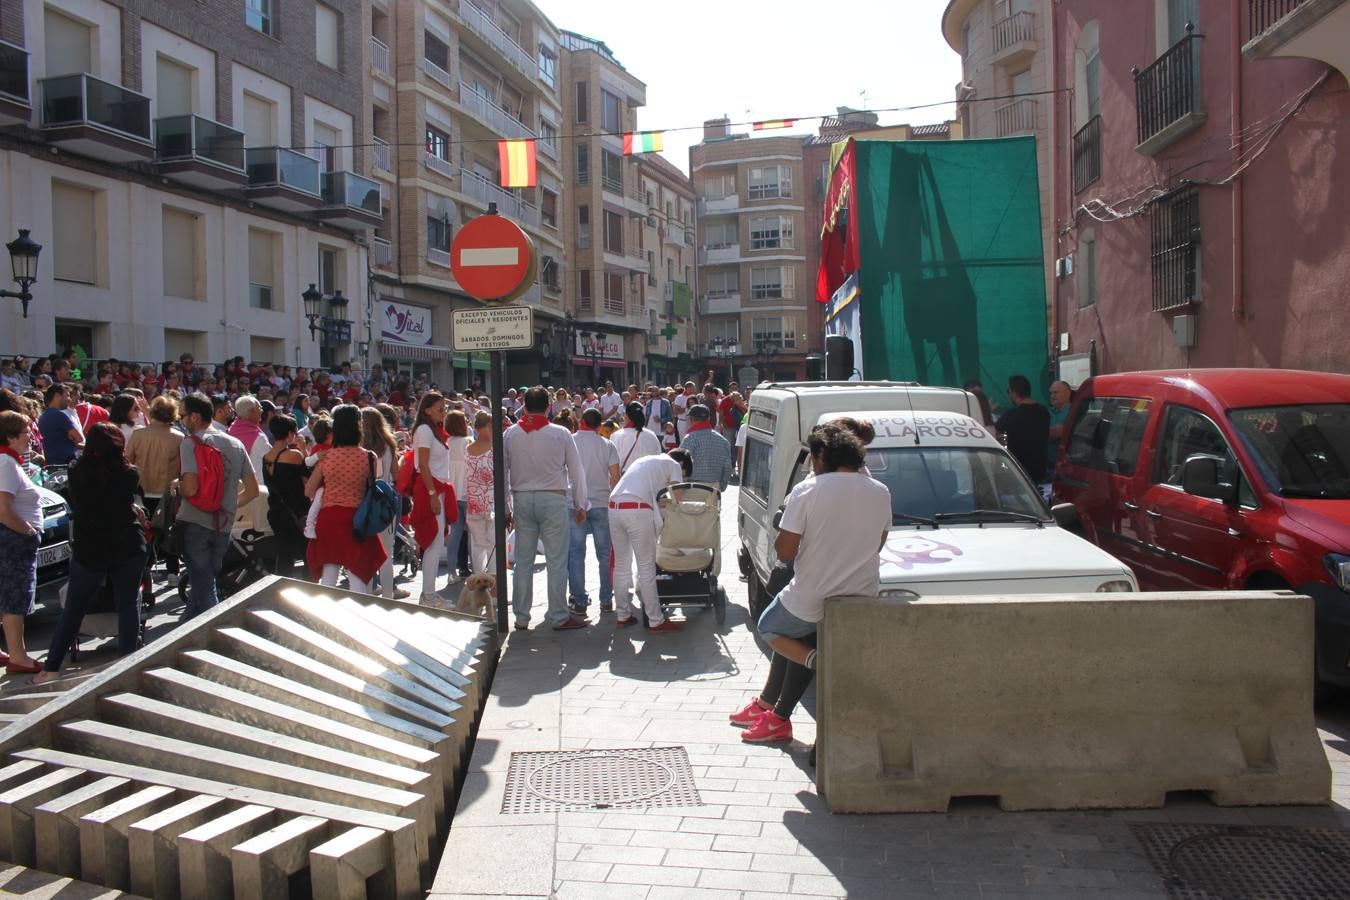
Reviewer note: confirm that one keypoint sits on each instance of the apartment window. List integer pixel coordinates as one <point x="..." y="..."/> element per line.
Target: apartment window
<point x="614" y="291"/>
<point x="548" y="66"/>
<point x="651" y="268"/>
<point x="548" y="132"/>
<point x="770" y="233"/>
<point x="75" y="242"/>
<point x="436" y="51"/>
<point x="583" y="227"/>
<point x="611" y="112"/>
<point x="723" y="284"/>
<point x="258" y="15"/>
<point x="1176" y="250"/>
<point x="260" y="121"/>
<point x="68" y="44"/>
<point x="548" y="207"/>
<point x="724" y="330"/>
<point x="718" y="187"/>
<point x="438" y="233"/>
<point x="326" y="144"/>
<point x="548" y="273"/>
<point x="771" y="281"/>
<point x="261" y="268"/>
<point x="583" y="164"/>
<point x="613" y="223"/>
<point x="1087" y="268"/>
<point x="583" y="101"/>
<point x="611" y="171"/>
<point x="329" y="269"/>
<point x="770" y="182"/>
<point x="173" y="88"/>
<point x="720" y="235"/>
<point x="327" y="34"/>
<point x="438" y="143"/>
<point x="774" y="331"/>
<point x="181" y="265"/>
<point x="584" y="288"/>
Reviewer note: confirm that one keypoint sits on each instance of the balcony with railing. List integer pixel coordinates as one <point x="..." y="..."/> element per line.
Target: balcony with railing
<point x="1167" y="95"/>
<point x="711" y="206"/>
<point x="380" y="157"/>
<point x="1017" y="117"/>
<point x="1087" y="154"/>
<point x="438" y="165"/>
<point x="721" y="255"/>
<point x="438" y="257"/>
<point x="1014" y="39"/>
<point x="200" y="152"/>
<point x="480" y="22"/>
<point x="282" y="179"/>
<point x="1316" y="29"/>
<point x="720" y="304"/>
<point x="436" y="73"/>
<point x="676" y="236"/>
<point x="490" y="114"/>
<point x="16" y="108"/>
<point x="484" y="191"/>
<point x="381" y="253"/>
<point x="379" y="57"/>
<point x="350" y="200"/>
<point x="548" y="148"/>
<point x="96" y="118"/>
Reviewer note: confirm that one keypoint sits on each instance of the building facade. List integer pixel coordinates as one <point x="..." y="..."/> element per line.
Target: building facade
<point x="757" y="315"/>
<point x="188" y="172"/>
<point x="668" y="240"/>
<point x="1196" y="183"/>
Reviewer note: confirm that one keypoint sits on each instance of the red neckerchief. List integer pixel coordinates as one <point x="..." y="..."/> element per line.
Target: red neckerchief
<point x="7" y="450"/>
<point x="320" y="448"/>
<point x="698" y="426"/>
<point x="441" y="434"/>
<point x="584" y="427"/>
<point x="532" y="422"/>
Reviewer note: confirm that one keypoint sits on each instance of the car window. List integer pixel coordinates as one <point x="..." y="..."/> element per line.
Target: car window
<point x="800" y="472"/>
<point x="1108" y="433"/>
<point x="758" y="452"/>
<point x="1186" y="433"/>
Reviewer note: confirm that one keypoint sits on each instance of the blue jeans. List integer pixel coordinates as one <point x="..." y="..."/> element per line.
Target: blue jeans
<point x="204" y="549"/>
<point x="776" y="622"/>
<point x="541" y="516"/>
<point x="596" y="525"/>
<point x="82" y="586"/>
<point x="456" y="535"/>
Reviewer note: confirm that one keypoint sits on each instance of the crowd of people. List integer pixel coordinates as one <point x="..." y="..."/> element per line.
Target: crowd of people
<point x="167" y="462"/>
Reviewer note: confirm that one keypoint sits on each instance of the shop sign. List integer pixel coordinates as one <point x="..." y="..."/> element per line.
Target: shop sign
<point x="404" y="324"/>
<point x="610" y="348"/>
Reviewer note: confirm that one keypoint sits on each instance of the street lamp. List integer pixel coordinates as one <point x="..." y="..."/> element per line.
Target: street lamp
<point x="726" y="349"/>
<point x="23" y="259"/>
<point x="594" y="347"/>
<point x="312" y="299"/>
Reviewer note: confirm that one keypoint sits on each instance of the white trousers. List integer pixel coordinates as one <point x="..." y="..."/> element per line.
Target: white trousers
<point x="482" y="541"/>
<point x="435" y="552"/>
<point x="633" y="532"/>
<point x="331" y="573"/>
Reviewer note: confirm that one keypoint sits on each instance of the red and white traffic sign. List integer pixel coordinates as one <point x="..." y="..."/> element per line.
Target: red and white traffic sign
<point x="493" y="260"/>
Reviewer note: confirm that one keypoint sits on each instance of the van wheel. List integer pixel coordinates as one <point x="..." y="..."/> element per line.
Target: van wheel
<point x="758" y="598"/>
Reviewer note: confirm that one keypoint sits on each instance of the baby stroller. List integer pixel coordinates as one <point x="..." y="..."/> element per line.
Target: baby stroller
<point x="100" y="616"/>
<point x="689" y="549"/>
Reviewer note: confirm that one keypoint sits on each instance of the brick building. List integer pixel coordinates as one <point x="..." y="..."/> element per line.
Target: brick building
<point x="668" y="241"/>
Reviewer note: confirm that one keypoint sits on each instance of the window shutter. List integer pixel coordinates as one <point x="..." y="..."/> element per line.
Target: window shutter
<point x="75" y="242"/>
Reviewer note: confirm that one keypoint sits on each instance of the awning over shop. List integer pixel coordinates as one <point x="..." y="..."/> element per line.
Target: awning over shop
<point x="603" y="363"/>
<point x="396" y="350"/>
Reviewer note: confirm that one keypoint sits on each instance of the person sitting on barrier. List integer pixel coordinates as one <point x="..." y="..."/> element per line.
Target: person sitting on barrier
<point x="827" y="528"/>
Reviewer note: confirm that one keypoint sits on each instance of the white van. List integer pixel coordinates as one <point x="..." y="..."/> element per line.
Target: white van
<point x="966" y="519"/>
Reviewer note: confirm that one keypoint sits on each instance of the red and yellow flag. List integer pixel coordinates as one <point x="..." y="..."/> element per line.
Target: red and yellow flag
<point x="769" y="124"/>
<point x="643" y="142"/>
<point x="517" y="163"/>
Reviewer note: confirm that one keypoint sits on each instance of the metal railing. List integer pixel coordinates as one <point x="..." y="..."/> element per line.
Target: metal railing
<point x="1263" y="14"/>
<point x="1169" y="88"/>
<point x="508" y="204"/>
<point x="437" y="73"/>
<point x="548" y="148"/>
<point x="1017" y="117"/>
<point x="379" y="56"/>
<point x="86" y="100"/>
<point x="438" y="165"/>
<point x="268" y="166"/>
<point x="347" y="189"/>
<point x="492" y="115"/>
<point x="438" y="257"/>
<point x="197" y="137"/>
<point x="481" y="22"/>
<point x="614" y="306"/>
<point x="13" y="71"/>
<point x="381" y="253"/>
<point x="1015" y="29"/>
<point x="379" y="154"/>
<point x="1175" y="250"/>
<point x="1087" y="154"/>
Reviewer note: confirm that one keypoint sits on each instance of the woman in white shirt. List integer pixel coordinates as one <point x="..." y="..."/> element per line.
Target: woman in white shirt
<point x="633" y="440"/>
<point x="431" y="459"/>
<point x="457" y="426"/>
<point x="20" y="534"/>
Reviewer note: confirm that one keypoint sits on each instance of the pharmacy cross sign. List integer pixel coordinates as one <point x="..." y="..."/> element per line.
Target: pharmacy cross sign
<point x="668" y="332"/>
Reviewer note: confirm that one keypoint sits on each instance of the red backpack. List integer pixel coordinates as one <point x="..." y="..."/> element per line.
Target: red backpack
<point x="406" y="480"/>
<point x="210" y="476"/>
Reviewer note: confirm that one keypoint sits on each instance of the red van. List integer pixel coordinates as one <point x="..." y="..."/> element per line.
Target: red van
<point x="1220" y="479"/>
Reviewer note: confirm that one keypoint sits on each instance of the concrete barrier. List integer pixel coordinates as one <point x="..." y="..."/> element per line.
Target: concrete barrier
<point x="1068" y="701"/>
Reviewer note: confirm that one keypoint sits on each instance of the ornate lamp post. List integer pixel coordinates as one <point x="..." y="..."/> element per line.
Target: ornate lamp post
<point x="594" y="347"/>
<point x="23" y="260"/>
<point x="726" y="349"/>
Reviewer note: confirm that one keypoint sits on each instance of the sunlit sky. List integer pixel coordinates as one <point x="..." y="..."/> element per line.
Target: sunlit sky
<point x="754" y="60"/>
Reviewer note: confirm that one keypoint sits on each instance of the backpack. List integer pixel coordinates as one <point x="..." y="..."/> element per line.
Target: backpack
<point x="379" y="508"/>
<point x="210" y="477"/>
<point x="406" y="480"/>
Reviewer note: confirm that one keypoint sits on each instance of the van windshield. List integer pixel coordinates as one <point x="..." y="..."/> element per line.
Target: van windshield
<point x="952" y="483"/>
<point x="1303" y="451"/>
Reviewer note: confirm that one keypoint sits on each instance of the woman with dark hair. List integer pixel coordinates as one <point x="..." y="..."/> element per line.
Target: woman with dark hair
<point x="343" y="474"/>
<point x="284" y="474"/>
<point x="434" y="498"/>
<point x="379" y="440"/>
<point x="300" y="411"/>
<point x="634" y="440"/>
<point x="122" y="415"/>
<point x="108" y="543"/>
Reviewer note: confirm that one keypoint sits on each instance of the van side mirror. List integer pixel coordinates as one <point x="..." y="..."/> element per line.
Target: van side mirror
<point x="778" y="519"/>
<point x="1066" y="516"/>
<point x="1201" y="476"/>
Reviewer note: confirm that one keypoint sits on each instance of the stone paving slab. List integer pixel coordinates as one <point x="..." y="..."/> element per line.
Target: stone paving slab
<point x="762" y="831"/>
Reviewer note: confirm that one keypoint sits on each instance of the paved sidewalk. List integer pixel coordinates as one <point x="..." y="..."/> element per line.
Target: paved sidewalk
<point x="762" y="831"/>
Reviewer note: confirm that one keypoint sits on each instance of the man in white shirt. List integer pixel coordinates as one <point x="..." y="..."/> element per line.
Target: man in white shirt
<point x="633" y="441"/>
<point x="611" y="404"/>
<point x="681" y="407"/>
<point x="634" y="523"/>
<point x="600" y="461"/>
<point x="543" y="471"/>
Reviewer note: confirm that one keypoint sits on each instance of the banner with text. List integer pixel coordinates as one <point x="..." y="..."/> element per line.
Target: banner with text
<point x="404" y="324"/>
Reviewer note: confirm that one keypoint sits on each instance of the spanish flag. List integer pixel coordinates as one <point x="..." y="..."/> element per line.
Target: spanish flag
<point x="770" y="124"/>
<point x="643" y="142"/>
<point x="517" y="163"/>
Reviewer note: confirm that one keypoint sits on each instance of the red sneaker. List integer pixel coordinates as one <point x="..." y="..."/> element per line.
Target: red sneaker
<point x="624" y="623"/>
<point x="667" y="626"/>
<point x="768" y="729"/>
<point x="572" y="622"/>
<point x="750" y="715"/>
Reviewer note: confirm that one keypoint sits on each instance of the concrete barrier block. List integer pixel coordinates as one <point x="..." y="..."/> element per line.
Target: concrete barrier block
<point x="1067" y="701"/>
<point x="56" y="824"/>
<point x="358" y="864"/>
<point x="153" y="844"/>
<point x="105" y="855"/>
<point x="263" y="865"/>
<point x="19" y="800"/>
<point x="205" y="870"/>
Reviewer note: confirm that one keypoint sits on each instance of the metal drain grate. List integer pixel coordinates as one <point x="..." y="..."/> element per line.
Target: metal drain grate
<point x="1208" y="862"/>
<point x="599" y="779"/>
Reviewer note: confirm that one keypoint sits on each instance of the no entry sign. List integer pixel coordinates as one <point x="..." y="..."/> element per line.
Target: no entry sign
<point x="493" y="260"/>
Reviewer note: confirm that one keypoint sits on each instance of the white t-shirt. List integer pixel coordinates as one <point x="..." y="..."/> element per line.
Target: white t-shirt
<point x="740" y="436"/>
<point x="645" y="478"/>
<point x="610" y="403"/>
<point x="841" y="517"/>
<point x="597" y="455"/>
<point x="459" y="471"/>
<point x="27" y="501"/>
<point x="440" y="454"/>
<point x="633" y="444"/>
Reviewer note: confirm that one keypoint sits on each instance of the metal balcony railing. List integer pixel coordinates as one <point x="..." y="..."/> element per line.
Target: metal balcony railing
<point x="492" y="115"/>
<point x="1168" y="90"/>
<point x="441" y="166"/>
<point x="1262" y="14"/>
<point x="379" y="56"/>
<point x="1016" y="28"/>
<point x="267" y="166"/>
<point x="548" y="148"/>
<point x="508" y="204"/>
<point x="1087" y="154"/>
<point x="481" y="22"/>
<point x="438" y="257"/>
<point x="86" y="100"/>
<point x="197" y="137"/>
<point x="347" y="189"/>
<point x="1017" y="117"/>
<point x="381" y="253"/>
<point x="437" y="73"/>
<point x="380" y="156"/>
<point x="614" y="306"/>
<point x="13" y="71"/>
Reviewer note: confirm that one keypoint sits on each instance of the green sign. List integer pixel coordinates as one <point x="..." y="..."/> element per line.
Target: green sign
<point x="682" y="299"/>
<point x="668" y="332"/>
